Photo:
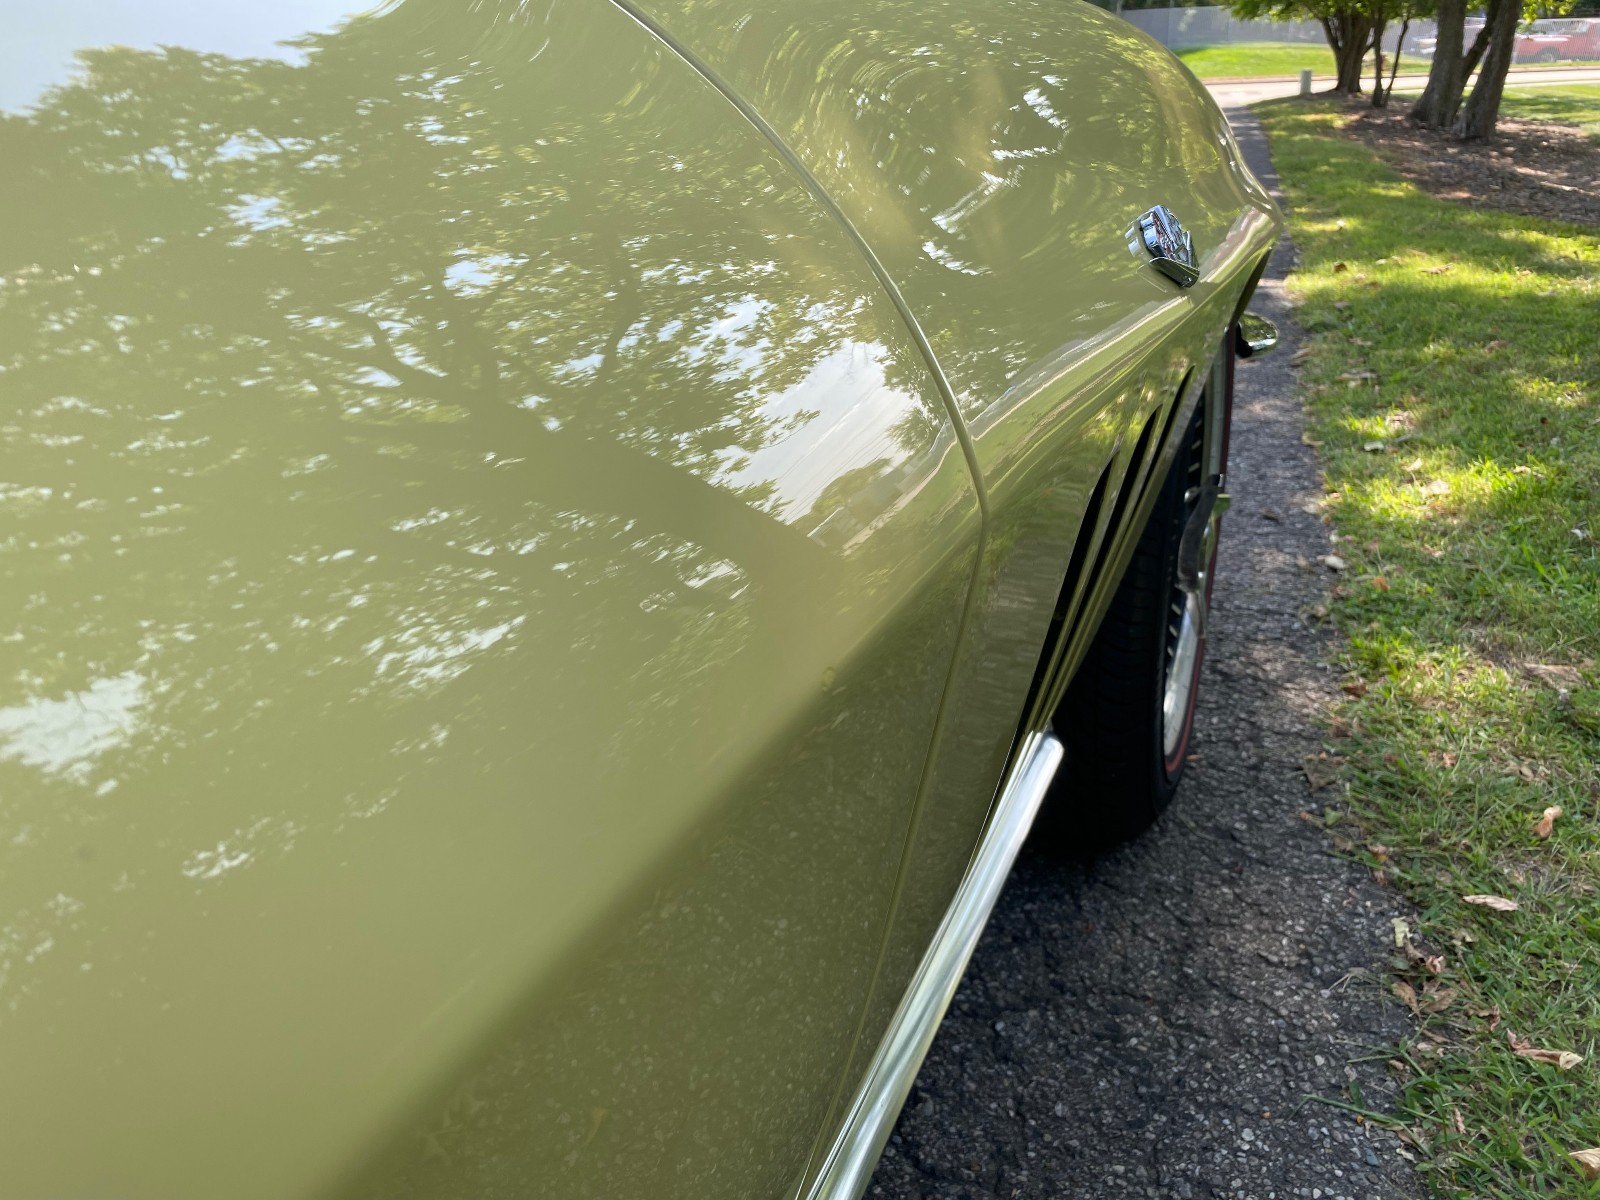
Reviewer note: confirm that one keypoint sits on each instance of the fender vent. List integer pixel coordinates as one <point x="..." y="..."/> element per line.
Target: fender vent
<point x="1094" y="535"/>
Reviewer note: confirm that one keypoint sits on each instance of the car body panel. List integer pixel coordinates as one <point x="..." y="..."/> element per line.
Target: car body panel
<point x="995" y="161"/>
<point x="486" y="558"/>
<point x="491" y="545"/>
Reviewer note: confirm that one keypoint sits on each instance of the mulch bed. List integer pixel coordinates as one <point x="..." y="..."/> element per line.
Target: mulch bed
<point x="1537" y="168"/>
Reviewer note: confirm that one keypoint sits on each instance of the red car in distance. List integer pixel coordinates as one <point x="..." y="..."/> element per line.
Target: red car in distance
<point x="1556" y="39"/>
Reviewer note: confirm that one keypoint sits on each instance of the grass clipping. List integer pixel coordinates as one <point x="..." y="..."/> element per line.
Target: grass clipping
<point x="1451" y="371"/>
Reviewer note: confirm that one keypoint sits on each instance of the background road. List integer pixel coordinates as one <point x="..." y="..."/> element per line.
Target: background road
<point x="1150" y="1023"/>
<point x="1233" y="93"/>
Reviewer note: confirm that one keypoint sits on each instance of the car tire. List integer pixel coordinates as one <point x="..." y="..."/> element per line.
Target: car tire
<point x="1547" y="56"/>
<point x="1127" y="716"/>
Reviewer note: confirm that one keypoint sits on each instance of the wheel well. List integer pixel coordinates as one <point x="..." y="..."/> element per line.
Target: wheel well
<point x="1097" y="539"/>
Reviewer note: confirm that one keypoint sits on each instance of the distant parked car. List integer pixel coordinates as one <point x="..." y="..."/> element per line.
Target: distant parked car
<point x="1425" y="46"/>
<point x="1557" y="39"/>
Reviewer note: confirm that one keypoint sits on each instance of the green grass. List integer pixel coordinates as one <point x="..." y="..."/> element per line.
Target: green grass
<point x="1249" y="59"/>
<point x="1578" y="105"/>
<point x="1452" y="378"/>
<point x="1246" y="60"/>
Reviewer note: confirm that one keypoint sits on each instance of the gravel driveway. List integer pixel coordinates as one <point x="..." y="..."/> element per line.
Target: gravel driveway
<point x="1151" y="1023"/>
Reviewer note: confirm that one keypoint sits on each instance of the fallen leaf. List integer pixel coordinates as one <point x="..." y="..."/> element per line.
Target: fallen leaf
<point x="1333" y="562"/>
<point x="1436" y="487"/>
<point x="1307" y="439"/>
<point x="1407" y="994"/>
<point x="1455" y="1119"/>
<point x="1320" y="770"/>
<point x="1434" y="964"/>
<point x="1379" y="582"/>
<point x="1414" y="465"/>
<point x="1402" y="928"/>
<point x="1547" y="823"/>
<point x="1588" y="1162"/>
<point x="1339" y="266"/>
<point x="1356" y="376"/>
<point x="1498" y="903"/>
<point x="1341" y="305"/>
<point x="1375" y="447"/>
<point x="1300" y="355"/>
<point x="1556" y="675"/>
<point x="1497" y="344"/>
<point x="1437" y="270"/>
<point x="1437" y="999"/>
<point x="1354" y="687"/>
<point x="1563" y="1060"/>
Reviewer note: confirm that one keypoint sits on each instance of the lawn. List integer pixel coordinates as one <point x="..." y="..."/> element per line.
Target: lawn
<point x="1577" y="105"/>
<point x="1249" y="59"/>
<point x="1244" y="60"/>
<point x="1453" y="384"/>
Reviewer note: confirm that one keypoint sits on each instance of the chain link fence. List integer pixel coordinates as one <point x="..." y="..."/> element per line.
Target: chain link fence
<point x="1187" y="28"/>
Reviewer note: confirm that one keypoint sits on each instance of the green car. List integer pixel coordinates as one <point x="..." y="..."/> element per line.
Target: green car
<point x="552" y="550"/>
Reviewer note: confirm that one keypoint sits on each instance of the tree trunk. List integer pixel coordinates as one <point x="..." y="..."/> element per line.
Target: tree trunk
<point x="1349" y="33"/>
<point x="1380" y="93"/>
<point x="1479" y="45"/>
<point x="1479" y="117"/>
<point x="1436" y="107"/>
<point x="1380" y="98"/>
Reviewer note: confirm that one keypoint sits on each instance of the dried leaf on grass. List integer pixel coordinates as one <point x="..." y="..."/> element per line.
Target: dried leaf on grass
<point x="1407" y="994"/>
<point x="1547" y="823"/>
<point x="1433" y="964"/>
<point x="1498" y="903"/>
<point x="1588" y="1161"/>
<point x="1437" y="270"/>
<point x="1564" y="1060"/>
<point x="1436" y="997"/>
<point x="1436" y="487"/>
<point x="1333" y="562"/>
<point x="1321" y="770"/>
<point x="1556" y="675"/>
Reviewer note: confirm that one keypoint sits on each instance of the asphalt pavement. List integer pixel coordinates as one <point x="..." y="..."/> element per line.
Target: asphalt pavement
<point x="1168" y="1019"/>
<point x="1232" y="93"/>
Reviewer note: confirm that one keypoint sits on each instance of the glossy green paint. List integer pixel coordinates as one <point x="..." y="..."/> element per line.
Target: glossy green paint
<point x="486" y="554"/>
<point x="995" y="158"/>
<point x="485" y="560"/>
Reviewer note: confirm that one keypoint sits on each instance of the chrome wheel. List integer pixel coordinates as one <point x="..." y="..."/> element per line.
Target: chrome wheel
<point x="1204" y="502"/>
<point x="1183" y="657"/>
